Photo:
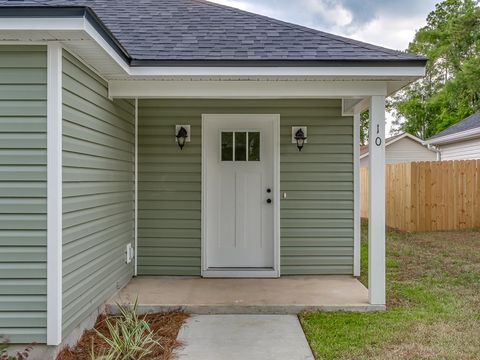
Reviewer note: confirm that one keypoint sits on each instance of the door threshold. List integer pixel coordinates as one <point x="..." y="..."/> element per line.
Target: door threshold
<point x="240" y="273"/>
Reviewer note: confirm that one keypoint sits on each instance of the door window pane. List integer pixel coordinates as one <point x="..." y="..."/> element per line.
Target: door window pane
<point x="227" y="146"/>
<point x="253" y="146"/>
<point x="240" y="146"/>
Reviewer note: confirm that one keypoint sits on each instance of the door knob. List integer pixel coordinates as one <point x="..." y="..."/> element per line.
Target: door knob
<point x="269" y="201"/>
<point x="269" y="190"/>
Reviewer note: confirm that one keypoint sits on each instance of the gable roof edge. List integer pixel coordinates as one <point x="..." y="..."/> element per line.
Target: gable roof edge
<point x="68" y="12"/>
<point x="455" y="137"/>
<point x="398" y="138"/>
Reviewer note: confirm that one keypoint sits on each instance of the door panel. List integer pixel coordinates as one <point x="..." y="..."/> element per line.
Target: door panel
<point x="249" y="206"/>
<point x="239" y="221"/>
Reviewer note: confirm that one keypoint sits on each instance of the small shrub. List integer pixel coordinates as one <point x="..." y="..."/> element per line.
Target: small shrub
<point x="129" y="336"/>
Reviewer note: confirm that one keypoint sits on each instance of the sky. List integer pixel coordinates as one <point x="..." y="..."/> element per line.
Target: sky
<point x="388" y="23"/>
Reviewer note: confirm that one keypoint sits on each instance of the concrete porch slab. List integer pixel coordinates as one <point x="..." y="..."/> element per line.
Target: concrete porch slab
<point x="286" y="295"/>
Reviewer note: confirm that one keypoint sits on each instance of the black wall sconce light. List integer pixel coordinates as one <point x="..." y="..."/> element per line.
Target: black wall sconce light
<point x="182" y="135"/>
<point x="299" y="136"/>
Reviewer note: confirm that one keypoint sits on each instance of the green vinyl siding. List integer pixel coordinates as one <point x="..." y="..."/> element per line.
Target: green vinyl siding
<point x="316" y="217"/>
<point x="23" y="190"/>
<point x="98" y="192"/>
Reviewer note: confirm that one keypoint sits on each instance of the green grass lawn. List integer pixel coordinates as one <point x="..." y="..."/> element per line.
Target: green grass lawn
<point x="433" y="296"/>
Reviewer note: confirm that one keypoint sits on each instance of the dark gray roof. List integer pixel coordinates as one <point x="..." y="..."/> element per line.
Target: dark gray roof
<point x="149" y="31"/>
<point x="469" y="123"/>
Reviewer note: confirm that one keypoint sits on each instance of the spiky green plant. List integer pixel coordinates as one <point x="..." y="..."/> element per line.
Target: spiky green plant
<point x="130" y="337"/>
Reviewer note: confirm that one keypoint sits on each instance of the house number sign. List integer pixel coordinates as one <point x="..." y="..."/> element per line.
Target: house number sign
<point x="378" y="140"/>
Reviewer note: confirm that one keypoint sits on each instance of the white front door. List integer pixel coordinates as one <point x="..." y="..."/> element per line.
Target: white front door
<point x="240" y="192"/>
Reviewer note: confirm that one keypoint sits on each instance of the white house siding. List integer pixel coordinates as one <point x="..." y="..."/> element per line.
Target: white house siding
<point x="465" y="150"/>
<point x="404" y="150"/>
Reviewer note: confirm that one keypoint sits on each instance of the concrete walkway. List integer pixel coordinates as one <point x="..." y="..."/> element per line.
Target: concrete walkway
<point x="243" y="337"/>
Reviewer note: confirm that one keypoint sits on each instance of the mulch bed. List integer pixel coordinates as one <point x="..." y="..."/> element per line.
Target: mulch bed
<point x="165" y="325"/>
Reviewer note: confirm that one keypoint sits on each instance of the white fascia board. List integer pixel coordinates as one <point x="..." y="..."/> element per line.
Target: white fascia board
<point x="244" y="89"/>
<point x="334" y="71"/>
<point x="407" y="73"/>
<point x="460" y="136"/>
<point x="45" y="24"/>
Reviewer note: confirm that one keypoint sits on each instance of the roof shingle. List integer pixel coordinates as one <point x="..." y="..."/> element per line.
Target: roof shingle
<point x="178" y="30"/>
<point x="469" y="123"/>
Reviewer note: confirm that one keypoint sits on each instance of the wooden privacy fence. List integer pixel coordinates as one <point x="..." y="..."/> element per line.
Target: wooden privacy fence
<point x="429" y="196"/>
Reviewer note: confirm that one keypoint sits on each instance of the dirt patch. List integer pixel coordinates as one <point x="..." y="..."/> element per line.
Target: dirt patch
<point x="165" y="326"/>
<point x="446" y="340"/>
<point x="441" y="254"/>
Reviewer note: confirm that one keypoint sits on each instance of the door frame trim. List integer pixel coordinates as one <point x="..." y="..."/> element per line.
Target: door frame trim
<point x="237" y="273"/>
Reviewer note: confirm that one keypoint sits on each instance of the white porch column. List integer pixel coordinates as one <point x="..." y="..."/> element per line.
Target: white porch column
<point x="376" y="210"/>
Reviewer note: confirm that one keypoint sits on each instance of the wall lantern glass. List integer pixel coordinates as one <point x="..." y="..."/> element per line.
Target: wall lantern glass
<point x="182" y="135"/>
<point x="299" y="136"/>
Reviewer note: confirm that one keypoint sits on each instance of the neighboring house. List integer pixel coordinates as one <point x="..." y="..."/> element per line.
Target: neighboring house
<point x="401" y="148"/>
<point x="94" y="189"/>
<point x="460" y="141"/>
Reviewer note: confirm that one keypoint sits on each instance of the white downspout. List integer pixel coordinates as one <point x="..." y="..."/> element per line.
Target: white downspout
<point x="436" y="150"/>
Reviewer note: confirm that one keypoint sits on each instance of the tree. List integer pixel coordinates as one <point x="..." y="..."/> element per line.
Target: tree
<point x="364" y="119"/>
<point x="450" y="90"/>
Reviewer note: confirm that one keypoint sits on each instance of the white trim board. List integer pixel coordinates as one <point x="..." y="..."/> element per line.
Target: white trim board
<point x="238" y="273"/>
<point x="245" y="89"/>
<point x="54" y="193"/>
<point x="244" y="273"/>
<point x="356" y="196"/>
<point x="324" y="71"/>
<point x="136" y="190"/>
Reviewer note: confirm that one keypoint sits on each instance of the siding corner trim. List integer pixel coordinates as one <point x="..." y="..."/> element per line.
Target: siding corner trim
<point x="54" y="194"/>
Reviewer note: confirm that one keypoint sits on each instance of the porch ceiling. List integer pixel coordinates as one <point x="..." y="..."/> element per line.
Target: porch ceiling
<point x="285" y="295"/>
